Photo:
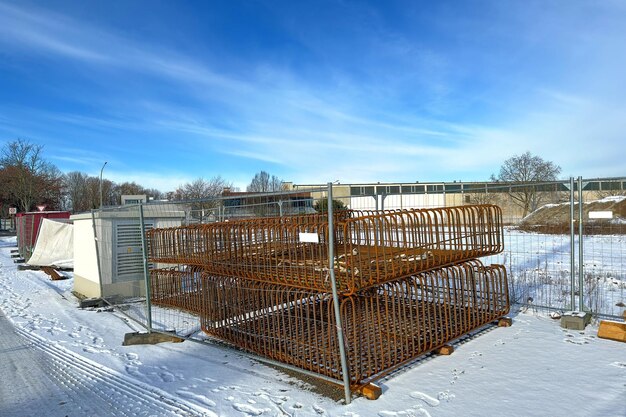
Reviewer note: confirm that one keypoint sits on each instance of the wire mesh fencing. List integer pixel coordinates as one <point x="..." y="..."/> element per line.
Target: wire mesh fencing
<point x="267" y="283"/>
<point x="117" y="269"/>
<point x="371" y="247"/>
<point x="385" y="326"/>
<point x="542" y="251"/>
<point x="254" y="270"/>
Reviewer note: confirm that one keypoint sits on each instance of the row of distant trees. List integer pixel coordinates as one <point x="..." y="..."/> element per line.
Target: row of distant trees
<point x="27" y="180"/>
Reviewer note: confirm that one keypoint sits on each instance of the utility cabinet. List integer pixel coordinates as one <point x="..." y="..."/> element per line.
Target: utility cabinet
<point x="108" y="252"/>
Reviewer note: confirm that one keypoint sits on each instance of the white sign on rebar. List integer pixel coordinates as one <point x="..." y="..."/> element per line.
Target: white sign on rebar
<point x="309" y="237"/>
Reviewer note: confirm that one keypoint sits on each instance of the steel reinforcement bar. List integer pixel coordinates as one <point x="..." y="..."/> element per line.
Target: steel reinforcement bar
<point x="370" y="249"/>
<point x="384" y="327"/>
<point x="179" y="287"/>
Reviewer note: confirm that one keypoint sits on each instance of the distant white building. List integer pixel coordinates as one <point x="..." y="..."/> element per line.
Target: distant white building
<point x="134" y="199"/>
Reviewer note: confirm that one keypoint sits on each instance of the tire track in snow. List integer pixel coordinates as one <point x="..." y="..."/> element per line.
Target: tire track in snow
<point x="85" y="379"/>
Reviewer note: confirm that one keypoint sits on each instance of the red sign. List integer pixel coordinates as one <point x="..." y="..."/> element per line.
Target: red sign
<point x="41" y="208"/>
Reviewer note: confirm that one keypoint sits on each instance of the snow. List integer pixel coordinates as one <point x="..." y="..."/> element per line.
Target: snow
<point x="613" y="199"/>
<point x="531" y="368"/>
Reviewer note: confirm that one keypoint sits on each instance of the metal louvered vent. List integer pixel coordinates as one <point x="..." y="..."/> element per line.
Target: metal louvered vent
<point x="128" y="253"/>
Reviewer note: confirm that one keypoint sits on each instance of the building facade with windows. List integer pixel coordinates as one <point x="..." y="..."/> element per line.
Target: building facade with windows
<point x="509" y="196"/>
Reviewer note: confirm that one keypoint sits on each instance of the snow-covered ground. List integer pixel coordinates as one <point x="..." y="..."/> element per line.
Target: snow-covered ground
<point x="534" y="368"/>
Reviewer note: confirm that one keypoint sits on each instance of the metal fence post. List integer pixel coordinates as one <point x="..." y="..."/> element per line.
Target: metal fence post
<point x="31" y="245"/>
<point x="146" y="272"/>
<point x="580" y="246"/>
<point x="572" y="244"/>
<point x="95" y="240"/>
<point x="331" y="266"/>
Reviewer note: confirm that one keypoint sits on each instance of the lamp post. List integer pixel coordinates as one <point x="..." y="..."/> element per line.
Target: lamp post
<point x="102" y="169"/>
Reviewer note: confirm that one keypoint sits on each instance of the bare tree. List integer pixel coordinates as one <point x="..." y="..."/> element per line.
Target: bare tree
<point x="154" y="193"/>
<point x="75" y="185"/>
<point x="482" y="198"/>
<point x="27" y="177"/>
<point x="202" y="192"/>
<point x="200" y="189"/>
<point x="524" y="173"/>
<point x="203" y="189"/>
<point x="115" y="193"/>
<point x="264" y="182"/>
<point x="130" y="188"/>
<point x="93" y="192"/>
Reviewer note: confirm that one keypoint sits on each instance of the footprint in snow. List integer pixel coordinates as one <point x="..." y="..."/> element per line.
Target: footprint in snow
<point x="318" y="409"/>
<point x="132" y="357"/>
<point x="247" y="409"/>
<point x="445" y="396"/>
<point x="167" y="376"/>
<point x="577" y="342"/>
<point x="433" y="402"/>
<point x="196" y="397"/>
<point x="90" y="349"/>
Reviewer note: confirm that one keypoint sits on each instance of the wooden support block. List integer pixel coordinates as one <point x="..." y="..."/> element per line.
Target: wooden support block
<point x="149" y="338"/>
<point x="613" y="330"/>
<point x="505" y="322"/>
<point x="445" y="350"/>
<point x="54" y="275"/>
<point x="370" y="391"/>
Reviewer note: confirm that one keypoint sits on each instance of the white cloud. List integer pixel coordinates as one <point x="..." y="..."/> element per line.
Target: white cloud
<point x="544" y="82"/>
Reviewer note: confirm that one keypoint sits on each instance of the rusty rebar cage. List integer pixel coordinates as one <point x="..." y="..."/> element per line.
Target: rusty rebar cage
<point x="179" y="287"/>
<point x="371" y="247"/>
<point x="384" y="326"/>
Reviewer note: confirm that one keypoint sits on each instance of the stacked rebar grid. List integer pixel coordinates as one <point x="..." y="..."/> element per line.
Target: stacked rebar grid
<point x="408" y="281"/>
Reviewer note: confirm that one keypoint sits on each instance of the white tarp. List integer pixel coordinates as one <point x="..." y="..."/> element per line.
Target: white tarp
<point x="55" y="245"/>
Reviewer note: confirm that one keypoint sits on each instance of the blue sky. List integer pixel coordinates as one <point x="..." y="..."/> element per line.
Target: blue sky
<point x="169" y="91"/>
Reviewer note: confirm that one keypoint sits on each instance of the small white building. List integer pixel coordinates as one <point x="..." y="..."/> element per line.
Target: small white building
<point x="119" y="248"/>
